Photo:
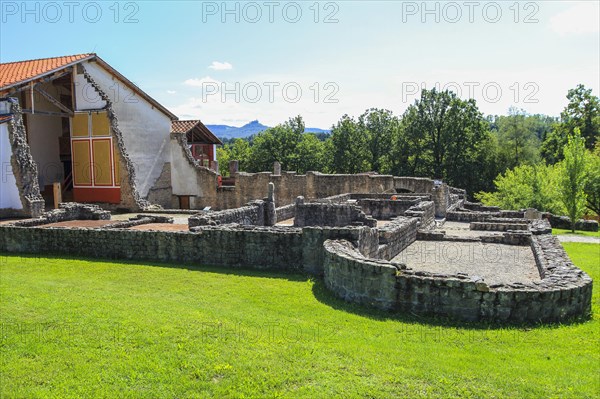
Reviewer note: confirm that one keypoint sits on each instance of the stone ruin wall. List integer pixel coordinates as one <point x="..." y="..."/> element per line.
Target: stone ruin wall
<point x="355" y="260"/>
<point x="479" y="214"/>
<point x="330" y="214"/>
<point x="23" y="167"/>
<point x="253" y="214"/>
<point x="563" y="293"/>
<point x="315" y="185"/>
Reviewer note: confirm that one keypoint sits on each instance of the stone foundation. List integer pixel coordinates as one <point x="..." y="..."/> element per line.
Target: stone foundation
<point x="564" y="291"/>
<point x="355" y="260"/>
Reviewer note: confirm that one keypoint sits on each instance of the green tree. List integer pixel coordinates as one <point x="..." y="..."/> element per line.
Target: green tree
<point x="517" y="138"/>
<point x="277" y="143"/>
<point x="237" y="150"/>
<point x="310" y="154"/>
<point x="444" y="135"/>
<point x="348" y="149"/>
<point x="526" y="186"/>
<point x="381" y="128"/>
<point x="592" y="187"/>
<point x="583" y="113"/>
<point x="573" y="178"/>
<point x="410" y="157"/>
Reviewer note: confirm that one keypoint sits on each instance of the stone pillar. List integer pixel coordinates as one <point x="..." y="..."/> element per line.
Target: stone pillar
<point x="270" y="214"/>
<point x="440" y="195"/>
<point x="299" y="218"/>
<point x="276" y="168"/>
<point x="233" y="168"/>
<point x="271" y="194"/>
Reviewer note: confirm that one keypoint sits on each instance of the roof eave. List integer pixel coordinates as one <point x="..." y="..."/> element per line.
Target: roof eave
<point x="105" y="65"/>
<point x="41" y="75"/>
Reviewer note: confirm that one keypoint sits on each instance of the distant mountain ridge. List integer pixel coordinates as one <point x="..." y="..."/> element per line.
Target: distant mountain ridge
<point x="249" y="129"/>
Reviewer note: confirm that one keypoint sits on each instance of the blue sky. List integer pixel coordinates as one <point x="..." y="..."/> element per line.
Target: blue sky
<point x="321" y="59"/>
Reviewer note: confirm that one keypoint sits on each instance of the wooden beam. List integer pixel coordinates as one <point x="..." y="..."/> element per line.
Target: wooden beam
<point x="46" y="113"/>
<point x="53" y="100"/>
<point x="46" y="79"/>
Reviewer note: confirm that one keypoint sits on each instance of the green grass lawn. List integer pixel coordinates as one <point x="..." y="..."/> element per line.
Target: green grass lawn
<point x="577" y="232"/>
<point x="90" y="329"/>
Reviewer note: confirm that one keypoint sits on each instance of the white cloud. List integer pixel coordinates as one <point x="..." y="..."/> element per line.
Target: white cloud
<point x="220" y="66"/>
<point x="171" y="92"/>
<point x="195" y="82"/>
<point x="580" y="18"/>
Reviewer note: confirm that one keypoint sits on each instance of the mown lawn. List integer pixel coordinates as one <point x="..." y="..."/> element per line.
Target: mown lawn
<point x="88" y="329"/>
<point x="577" y="232"/>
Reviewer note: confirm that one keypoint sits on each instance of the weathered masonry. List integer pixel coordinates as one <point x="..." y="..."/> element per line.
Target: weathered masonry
<point x="359" y="263"/>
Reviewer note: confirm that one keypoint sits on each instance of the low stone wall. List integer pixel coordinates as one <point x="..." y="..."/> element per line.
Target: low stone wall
<point x="478" y="207"/>
<point x="563" y="222"/>
<point x="139" y="220"/>
<point x="285" y="212"/>
<point x="330" y="214"/>
<point x="67" y="211"/>
<point x="563" y="293"/>
<point x="281" y="248"/>
<point x="425" y="212"/>
<point x="463" y="215"/>
<point x="340" y="198"/>
<point x="252" y="214"/>
<point x="467" y="217"/>
<point x="355" y="278"/>
<point x="347" y="256"/>
<point x="396" y="236"/>
<point x="228" y="246"/>
<point x="495" y="226"/>
<point x="507" y="238"/>
<point x="388" y="196"/>
<point x="386" y="209"/>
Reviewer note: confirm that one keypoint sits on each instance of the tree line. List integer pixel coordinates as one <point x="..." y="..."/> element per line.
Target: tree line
<point x="440" y="136"/>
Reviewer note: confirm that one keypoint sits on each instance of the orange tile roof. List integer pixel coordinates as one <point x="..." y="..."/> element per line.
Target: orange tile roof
<point x="12" y="73"/>
<point x="195" y="131"/>
<point x="183" y="126"/>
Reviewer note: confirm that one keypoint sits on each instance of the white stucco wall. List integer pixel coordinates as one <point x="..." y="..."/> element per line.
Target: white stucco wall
<point x="145" y="129"/>
<point x="86" y="97"/>
<point x="9" y="192"/>
<point x="183" y="174"/>
<point x="43" y="132"/>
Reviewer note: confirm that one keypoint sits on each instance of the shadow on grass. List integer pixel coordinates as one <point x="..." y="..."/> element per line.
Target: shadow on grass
<point x="241" y="271"/>
<point x="320" y="292"/>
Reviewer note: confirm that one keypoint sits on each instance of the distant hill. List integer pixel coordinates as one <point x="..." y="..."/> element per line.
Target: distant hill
<point x="254" y="127"/>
